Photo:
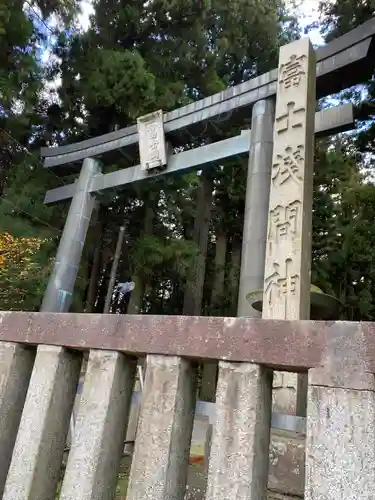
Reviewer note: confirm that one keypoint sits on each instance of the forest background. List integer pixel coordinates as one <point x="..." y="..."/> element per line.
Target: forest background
<point x="60" y="83"/>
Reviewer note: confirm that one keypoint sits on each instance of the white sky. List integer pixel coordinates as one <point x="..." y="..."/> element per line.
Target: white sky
<point x="307" y="12"/>
<point x="87" y="10"/>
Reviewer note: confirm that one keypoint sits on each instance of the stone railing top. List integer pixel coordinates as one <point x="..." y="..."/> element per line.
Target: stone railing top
<point x="287" y="345"/>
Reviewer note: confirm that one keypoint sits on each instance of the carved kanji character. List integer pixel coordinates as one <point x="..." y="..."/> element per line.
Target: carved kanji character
<point x="152" y="131"/>
<point x="288" y="166"/>
<point x="276" y="286"/>
<point x="292" y="71"/>
<point x="292" y="213"/>
<point x="271" y="286"/>
<point x="283" y="221"/>
<point x="288" y="284"/>
<point x="290" y="119"/>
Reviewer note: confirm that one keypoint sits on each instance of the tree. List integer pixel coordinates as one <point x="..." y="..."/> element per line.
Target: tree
<point x="27" y="229"/>
<point x="344" y="260"/>
<point x="341" y="16"/>
<point x="343" y="238"/>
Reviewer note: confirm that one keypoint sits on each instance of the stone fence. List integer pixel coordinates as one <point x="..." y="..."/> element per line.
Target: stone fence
<point x="41" y="356"/>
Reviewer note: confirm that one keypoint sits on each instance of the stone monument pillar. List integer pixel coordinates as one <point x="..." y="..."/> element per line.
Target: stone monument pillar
<point x="286" y="291"/>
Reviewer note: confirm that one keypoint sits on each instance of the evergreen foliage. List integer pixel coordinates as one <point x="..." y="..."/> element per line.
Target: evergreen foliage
<point x="137" y="57"/>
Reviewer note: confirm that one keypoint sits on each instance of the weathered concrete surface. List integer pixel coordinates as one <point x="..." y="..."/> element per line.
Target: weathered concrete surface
<point x="16" y="364"/>
<point x="340" y="440"/>
<point x="286" y="291"/>
<point x="287" y="463"/>
<point x="161" y="454"/>
<point x="238" y="465"/>
<point x="340" y="444"/>
<point x="94" y="459"/>
<point x="292" y="345"/>
<point x="197" y="473"/>
<point x="35" y="467"/>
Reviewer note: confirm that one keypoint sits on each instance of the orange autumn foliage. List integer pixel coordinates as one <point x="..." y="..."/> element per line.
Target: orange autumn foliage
<point x="17" y="251"/>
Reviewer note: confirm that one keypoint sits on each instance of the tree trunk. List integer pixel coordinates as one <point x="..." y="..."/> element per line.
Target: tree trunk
<point x="219" y="279"/>
<point x="234" y="276"/>
<point x="114" y="268"/>
<point x="93" y="285"/>
<point x="136" y="297"/>
<point x="194" y="287"/>
<point x="95" y="268"/>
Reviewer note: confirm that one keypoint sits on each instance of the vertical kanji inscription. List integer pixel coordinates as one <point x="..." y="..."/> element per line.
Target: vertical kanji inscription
<point x="287" y="267"/>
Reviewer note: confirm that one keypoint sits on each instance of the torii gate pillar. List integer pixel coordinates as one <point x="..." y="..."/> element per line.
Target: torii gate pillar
<point x="59" y="293"/>
<point x="256" y="205"/>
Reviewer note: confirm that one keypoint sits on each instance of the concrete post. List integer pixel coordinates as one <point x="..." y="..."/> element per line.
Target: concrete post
<point x="34" y="471"/>
<point x="340" y="441"/>
<point x="161" y="454"/>
<point x="340" y="434"/>
<point x="256" y="205"/>
<point x="16" y="364"/>
<point x="99" y="434"/>
<point x="59" y="293"/>
<point x="238" y="466"/>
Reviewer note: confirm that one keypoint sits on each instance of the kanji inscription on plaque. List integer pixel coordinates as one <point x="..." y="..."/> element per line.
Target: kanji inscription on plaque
<point x="152" y="146"/>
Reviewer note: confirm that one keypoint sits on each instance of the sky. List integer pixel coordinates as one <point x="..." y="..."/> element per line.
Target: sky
<point x="87" y="10"/>
<point x="307" y="14"/>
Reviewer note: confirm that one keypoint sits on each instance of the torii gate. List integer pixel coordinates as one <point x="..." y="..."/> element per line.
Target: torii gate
<point x="37" y="396"/>
<point x="340" y="64"/>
